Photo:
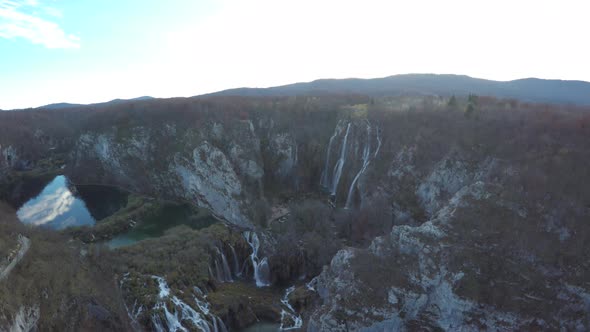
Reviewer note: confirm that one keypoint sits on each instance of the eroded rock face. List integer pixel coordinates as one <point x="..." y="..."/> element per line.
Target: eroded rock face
<point x="8" y="156"/>
<point x="455" y="272"/>
<point x="211" y="168"/>
<point x="209" y="179"/>
<point x="25" y="319"/>
<point x="285" y="150"/>
<point x="448" y="177"/>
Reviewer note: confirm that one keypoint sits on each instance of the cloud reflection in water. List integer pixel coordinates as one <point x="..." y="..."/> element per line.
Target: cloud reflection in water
<point x="55" y="207"/>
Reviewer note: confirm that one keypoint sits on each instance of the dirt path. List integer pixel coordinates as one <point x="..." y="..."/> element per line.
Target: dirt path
<point x="15" y="256"/>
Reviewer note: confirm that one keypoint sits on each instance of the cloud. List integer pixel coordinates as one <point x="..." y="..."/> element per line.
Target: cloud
<point x="22" y="19"/>
<point x="47" y="207"/>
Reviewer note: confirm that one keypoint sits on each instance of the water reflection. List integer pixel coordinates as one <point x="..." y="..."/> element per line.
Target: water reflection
<point x="56" y="207"/>
<point x="156" y="225"/>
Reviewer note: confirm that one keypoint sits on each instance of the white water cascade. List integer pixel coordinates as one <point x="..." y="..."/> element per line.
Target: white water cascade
<point x="288" y="313"/>
<point x="366" y="162"/>
<point x="340" y="163"/>
<point x="177" y="314"/>
<point x="236" y="265"/>
<point x="225" y="274"/>
<point x="325" y="180"/>
<point x="261" y="268"/>
<point x="378" y="142"/>
<point x="180" y="312"/>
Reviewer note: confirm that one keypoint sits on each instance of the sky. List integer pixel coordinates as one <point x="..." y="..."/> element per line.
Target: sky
<point x="83" y="51"/>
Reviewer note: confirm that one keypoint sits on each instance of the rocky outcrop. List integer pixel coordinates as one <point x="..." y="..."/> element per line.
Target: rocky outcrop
<point x="454" y="272"/>
<point x="25" y="319"/>
<point x="448" y="176"/>
<point x="284" y="148"/>
<point x="8" y="157"/>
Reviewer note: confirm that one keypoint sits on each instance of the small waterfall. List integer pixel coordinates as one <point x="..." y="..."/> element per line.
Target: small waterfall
<point x="325" y="180"/>
<point x="201" y="304"/>
<point x="226" y="269"/>
<point x="288" y="314"/>
<point x="215" y="326"/>
<point x="218" y="273"/>
<point x="236" y="265"/>
<point x="296" y="155"/>
<point x="180" y="312"/>
<point x="222" y="270"/>
<point x="311" y="285"/>
<point x="340" y="163"/>
<point x="261" y="268"/>
<point x="163" y="286"/>
<point x="218" y="325"/>
<point x="170" y="313"/>
<point x="135" y="310"/>
<point x="211" y="275"/>
<point x="244" y="265"/>
<point x="378" y="142"/>
<point x="366" y="161"/>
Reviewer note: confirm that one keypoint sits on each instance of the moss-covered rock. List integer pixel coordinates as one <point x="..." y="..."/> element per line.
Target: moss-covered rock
<point x="242" y="304"/>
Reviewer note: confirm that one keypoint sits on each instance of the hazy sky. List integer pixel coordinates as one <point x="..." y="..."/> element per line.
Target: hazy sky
<point x="84" y="51"/>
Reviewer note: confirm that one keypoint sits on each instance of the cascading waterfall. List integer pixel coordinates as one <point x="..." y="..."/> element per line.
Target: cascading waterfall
<point x="340" y="163"/>
<point x="163" y="286"/>
<point x="237" y="270"/>
<point x="261" y="268"/>
<point x="325" y="179"/>
<point x="179" y="312"/>
<point x="288" y="313"/>
<point x="203" y="305"/>
<point x="218" y="325"/>
<point x="222" y="270"/>
<point x="226" y="269"/>
<point x="366" y="162"/>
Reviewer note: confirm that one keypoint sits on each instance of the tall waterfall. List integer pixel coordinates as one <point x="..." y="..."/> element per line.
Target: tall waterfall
<point x="288" y="313"/>
<point x="366" y="161"/>
<point x="325" y="180"/>
<point x="378" y="142"/>
<point x="340" y="163"/>
<point x="261" y="268"/>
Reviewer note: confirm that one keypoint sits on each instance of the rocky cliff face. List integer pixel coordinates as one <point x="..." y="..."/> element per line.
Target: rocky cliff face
<point x="25" y="320"/>
<point x="485" y="258"/>
<point x="8" y="156"/>
<point x="215" y="167"/>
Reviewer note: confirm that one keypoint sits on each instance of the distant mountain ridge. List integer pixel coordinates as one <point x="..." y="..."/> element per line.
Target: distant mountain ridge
<point x="528" y="89"/>
<point x="114" y="101"/>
